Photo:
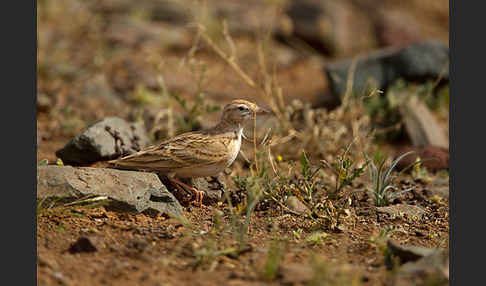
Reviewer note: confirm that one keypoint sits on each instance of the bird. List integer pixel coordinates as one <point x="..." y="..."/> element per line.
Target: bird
<point x="196" y="154"/>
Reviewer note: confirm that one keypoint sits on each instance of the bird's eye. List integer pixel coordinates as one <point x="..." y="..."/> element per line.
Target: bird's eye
<point x="241" y="108"/>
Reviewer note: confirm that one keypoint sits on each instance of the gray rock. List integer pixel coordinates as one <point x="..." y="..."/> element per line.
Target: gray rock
<point x="420" y="61"/>
<point x="409" y="253"/>
<point x="420" y="263"/>
<point x="126" y="190"/>
<point x="402" y="209"/>
<point x="98" y="143"/>
<point x="296" y="205"/>
<point x="421" y="125"/>
<point x="213" y="187"/>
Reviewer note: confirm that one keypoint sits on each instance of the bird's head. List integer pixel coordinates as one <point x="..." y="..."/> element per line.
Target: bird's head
<point x="239" y="111"/>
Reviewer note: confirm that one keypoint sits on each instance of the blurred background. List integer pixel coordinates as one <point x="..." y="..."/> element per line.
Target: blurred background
<point x="139" y="59"/>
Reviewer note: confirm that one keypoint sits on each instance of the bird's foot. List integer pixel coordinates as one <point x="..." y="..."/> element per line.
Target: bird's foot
<point x="185" y="187"/>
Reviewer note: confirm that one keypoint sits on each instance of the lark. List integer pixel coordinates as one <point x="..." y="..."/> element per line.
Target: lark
<point x="196" y="154"/>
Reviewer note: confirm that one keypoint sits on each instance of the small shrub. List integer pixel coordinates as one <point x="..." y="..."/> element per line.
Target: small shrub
<point x="344" y="170"/>
<point x="383" y="180"/>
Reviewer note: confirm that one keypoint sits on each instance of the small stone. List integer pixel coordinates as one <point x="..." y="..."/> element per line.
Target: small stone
<point x="83" y="244"/>
<point x="403" y="209"/>
<point x="296" y="205"/>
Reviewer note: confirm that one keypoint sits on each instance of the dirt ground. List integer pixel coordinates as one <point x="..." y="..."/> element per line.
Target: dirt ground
<point x="88" y="72"/>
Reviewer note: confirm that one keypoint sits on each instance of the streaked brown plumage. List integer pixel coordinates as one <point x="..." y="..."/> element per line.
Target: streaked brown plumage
<point x="196" y="154"/>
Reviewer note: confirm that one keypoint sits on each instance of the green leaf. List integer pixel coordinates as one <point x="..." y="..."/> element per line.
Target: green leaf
<point x="305" y="164"/>
<point x="316" y="237"/>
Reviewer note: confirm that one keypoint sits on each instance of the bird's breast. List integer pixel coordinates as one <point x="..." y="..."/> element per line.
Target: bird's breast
<point x="234" y="147"/>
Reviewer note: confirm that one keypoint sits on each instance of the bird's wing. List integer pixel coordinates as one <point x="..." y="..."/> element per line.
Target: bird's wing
<point x="186" y="150"/>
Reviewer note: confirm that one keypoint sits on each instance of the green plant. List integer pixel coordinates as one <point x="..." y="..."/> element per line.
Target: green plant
<point x="380" y="243"/>
<point x="273" y="260"/>
<point x="383" y="180"/>
<point x="316" y="237"/>
<point x="308" y="186"/>
<point x="344" y="170"/>
<point x="253" y="187"/>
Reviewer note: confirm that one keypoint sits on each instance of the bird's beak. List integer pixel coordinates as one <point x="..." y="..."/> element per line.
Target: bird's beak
<point x="263" y="111"/>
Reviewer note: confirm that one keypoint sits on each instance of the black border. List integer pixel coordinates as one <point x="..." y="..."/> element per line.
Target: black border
<point x="467" y="146"/>
<point x="19" y="145"/>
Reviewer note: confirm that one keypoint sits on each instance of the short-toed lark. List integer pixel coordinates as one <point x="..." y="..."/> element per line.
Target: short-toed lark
<point x="196" y="154"/>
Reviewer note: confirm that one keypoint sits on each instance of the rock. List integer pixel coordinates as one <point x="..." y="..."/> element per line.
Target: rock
<point x="420" y="264"/>
<point x="83" y="244"/>
<point x="296" y="205"/>
<point x="416" y="62"/>
<point x="434" y="158"/>
<point x="408" y="253"/>
<point x="213" y="187"/>
<point x="402" y="209"/>
<point x="421" y="125"/>
<point x="126" y="190"/>
<point x="334" y="28"/>
<point x="435" y="265"/>
<point x="98" y="142"/>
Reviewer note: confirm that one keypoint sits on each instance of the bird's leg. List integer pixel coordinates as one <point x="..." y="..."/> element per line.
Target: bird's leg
<point x="199" y="194"/>
<point x="176" y="184"/>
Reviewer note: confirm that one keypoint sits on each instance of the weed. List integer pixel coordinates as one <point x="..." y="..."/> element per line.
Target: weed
<point x="308" y="186"/>
<point x="316" y="237"/>
<point x="193" y="112"/>
<point x="344" y="170"/>
<point x="273" y="260"/>
<point x="383" y="180"/>
<point x="420" y="173"/>
<point x="380" y="243"/>
<point x="254" y="189"/>
<point x="297" y="233"/>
